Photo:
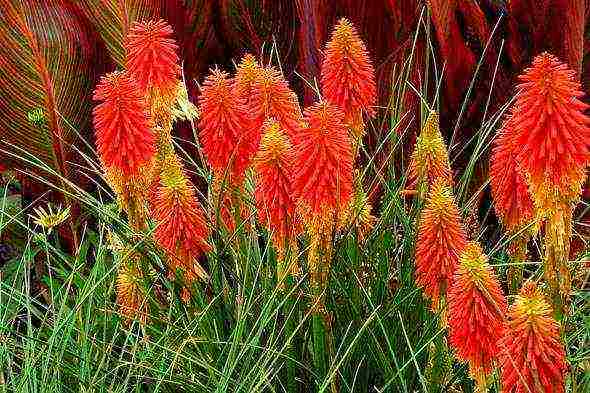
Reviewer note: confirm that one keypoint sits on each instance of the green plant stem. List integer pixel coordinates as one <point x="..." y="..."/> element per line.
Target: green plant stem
<point x="290" y="326"/>
<point x="320" y="359"/>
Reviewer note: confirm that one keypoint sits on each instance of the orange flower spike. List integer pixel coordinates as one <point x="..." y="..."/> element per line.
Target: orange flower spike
<point x="533" y="357"/>
<point x="550" y="126"/>
<point x="182" y="229"/>
<point x="246" y="74"/>
<point x="477" y="309"/>
<point x="323" y="156"/>
<point x="430" y="158"/>
<point x="225" y="126"/>
<point x="510" y="193"/>
<point x="441" y="239"/>
<point x="123" y="136"/>
<point x="131" y="300"/>
<point x="274" y="195"/>
<point x="152" y="55"/>
<point x="348" y="77"/>
<point x="272" y="97"/>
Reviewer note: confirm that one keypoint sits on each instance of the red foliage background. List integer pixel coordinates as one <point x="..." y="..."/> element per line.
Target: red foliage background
<point x="219" y="31"/>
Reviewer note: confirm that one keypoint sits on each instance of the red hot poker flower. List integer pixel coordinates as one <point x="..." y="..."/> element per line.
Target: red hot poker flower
<point x="324" y="160"/>
<point x="123" y="136"/>
<point x="152" y="55"/>
<point x="131" y="300"/>
<point x="549" y="125"/>
<point x="441" y="239"/>
<point x="225" y="127"/>
<point x="532" y="358"/>
<point x="272" y="97"/>
<point x="477" y="309"/>
<point x="512" y="200"/>
<point x="274" y="194"/>
<point x="348" y="77"/>
<point x="182" y="230"/>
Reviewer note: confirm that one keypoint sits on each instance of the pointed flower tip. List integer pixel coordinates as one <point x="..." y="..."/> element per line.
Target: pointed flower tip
<point x="247" y="72"/>
<point x="152" y="55"/>
<point x="347" y="74"/>
<point x="430" y="158"/>
<point x="533" y="356"/>
<point x="123" y="136"/>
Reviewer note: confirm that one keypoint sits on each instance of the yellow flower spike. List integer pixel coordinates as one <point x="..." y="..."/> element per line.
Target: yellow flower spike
<point x="131" y="297"/>
<point x="430" y="158"/>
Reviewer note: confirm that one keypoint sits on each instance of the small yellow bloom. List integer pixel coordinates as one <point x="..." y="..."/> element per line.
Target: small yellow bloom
<point x="50" y="218"/>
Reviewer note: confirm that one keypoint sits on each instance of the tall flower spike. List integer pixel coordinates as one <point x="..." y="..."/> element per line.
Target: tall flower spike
<point x="510" y="193"/>
<point x="181" y="227"/>
<point x="348" y="77"/>
<point x="552" y="131"/>
<point x="272" y="97"/>
<point x="131" y="297"/>
<point x="274" y="170"/>
<point x="532" y="357"/>
<point x="152" y="55"/>
<point x="430" y="158"/>
<point x="324" y="161"/>
<point x="441" y="239"/>
<point x="123" y="136"/>
<point x="274" y="194"/>
<point x="477" y="309"/>
<point x="226" y="132"/>
<point x="553" y="134"/>
<point x="131" y="300"/>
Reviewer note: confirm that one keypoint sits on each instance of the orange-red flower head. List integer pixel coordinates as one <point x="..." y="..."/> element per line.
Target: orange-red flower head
<point x="532" y="357"/>
<point x="323" y="159"/>
<point x="272" y="97"/>
<point x="550" y="127"/>
<point x="477" y="309"/>
<point x="441" y="239"/>
<point x="226" y="132"/>
<point x="152" y="56"/>
<point x="430" y="158"/>
<point x="348" y="77"/>
<point x="512" y="201"/>
<point x="274" y="170"/>
<point x="123" y="136"/>
<point x="181" y="227"/>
